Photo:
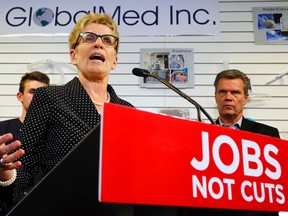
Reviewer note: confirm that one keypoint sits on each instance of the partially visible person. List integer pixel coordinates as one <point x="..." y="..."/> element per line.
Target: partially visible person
<point x="231" y="96"/>
<point x="59" y="117"/>
<point x="27" y="86"/>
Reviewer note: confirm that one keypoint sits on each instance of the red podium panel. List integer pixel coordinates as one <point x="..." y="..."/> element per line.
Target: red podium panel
<point x="149" y="158"/>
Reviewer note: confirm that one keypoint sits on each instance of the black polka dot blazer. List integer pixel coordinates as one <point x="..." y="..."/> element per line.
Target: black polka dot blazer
<point x="57" y="119"/>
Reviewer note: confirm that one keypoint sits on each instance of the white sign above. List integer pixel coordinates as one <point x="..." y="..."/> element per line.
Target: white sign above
<point x="134" y="17"/>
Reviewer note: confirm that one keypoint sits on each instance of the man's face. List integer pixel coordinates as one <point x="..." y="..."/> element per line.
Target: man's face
<point x="230" y="99"/>
<point x="29" y="88"/>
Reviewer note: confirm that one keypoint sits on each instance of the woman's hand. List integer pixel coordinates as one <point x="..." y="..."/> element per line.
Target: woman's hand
<point x="8" y="160"/>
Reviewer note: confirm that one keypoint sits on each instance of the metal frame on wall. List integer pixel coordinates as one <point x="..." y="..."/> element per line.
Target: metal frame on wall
<point x="270" y="25"/>
<point x="173" y="65"/>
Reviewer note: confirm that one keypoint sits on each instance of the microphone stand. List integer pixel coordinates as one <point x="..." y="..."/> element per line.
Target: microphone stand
<point x="182" y="94"/>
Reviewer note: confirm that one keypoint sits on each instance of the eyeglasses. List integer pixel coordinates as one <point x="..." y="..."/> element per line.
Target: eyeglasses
<point x="90" y="37"/>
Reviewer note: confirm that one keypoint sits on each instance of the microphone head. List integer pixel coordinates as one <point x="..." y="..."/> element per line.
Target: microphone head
<point x="141" y="72"/>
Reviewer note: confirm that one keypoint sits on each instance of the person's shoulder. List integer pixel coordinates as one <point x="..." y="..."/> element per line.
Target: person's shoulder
<point x="4" y="124"/>
<point x="58" y="88"/>
<point x="50" y="90"/>
<point x="125" y="103"/>
<point x="261" y="128"/>
<point x="54" y="94"/>
<point x="258" y="124"/>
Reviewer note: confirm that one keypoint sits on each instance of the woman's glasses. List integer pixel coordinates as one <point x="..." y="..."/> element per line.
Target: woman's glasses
<point x="90" y="37"/>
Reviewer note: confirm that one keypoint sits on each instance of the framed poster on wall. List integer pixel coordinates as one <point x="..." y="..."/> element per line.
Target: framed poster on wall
<point x="173" y="65"/>
<point x="270" y="25"/>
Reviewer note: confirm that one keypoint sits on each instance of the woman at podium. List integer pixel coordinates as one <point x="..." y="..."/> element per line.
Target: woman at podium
<point x="60" y="116"/>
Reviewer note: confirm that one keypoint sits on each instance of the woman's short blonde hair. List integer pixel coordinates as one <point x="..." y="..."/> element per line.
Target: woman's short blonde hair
<point x="233" y="74"/>
<point x="89" y="18"/>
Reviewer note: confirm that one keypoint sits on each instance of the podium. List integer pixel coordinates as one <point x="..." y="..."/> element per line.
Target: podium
<point x="165" y="160"/>
<point x="139" y="163"/>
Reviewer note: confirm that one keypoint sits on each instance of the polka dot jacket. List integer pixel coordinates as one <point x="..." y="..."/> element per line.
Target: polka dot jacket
<point x="57" y="119"/>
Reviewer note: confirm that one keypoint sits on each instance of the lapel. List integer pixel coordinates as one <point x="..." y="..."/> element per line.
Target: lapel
<point x="81" y="103"/>
<point x="247" y="125"/>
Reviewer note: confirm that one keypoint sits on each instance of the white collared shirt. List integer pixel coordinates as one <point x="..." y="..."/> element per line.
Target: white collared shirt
<point x="237" y="125"/>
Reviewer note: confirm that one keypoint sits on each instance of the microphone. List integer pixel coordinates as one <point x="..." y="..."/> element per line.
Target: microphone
<point x="141" y="72"/>
<point x="144" y="73"/>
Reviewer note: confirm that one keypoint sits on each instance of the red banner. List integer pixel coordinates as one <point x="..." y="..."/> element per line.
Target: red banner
<point x="149" y="158"/>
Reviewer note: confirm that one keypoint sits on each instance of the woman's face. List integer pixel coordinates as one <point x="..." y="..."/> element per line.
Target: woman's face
<point x="94" y="60"/>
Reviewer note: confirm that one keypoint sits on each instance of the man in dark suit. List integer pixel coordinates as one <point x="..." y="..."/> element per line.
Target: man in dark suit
<point x="231" y="95"/>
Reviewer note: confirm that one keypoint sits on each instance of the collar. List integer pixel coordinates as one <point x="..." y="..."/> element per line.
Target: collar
<point x="236" y="125"/>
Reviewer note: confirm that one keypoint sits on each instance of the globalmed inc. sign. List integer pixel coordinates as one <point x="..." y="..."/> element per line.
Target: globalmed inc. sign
<point x="135" y="18"/>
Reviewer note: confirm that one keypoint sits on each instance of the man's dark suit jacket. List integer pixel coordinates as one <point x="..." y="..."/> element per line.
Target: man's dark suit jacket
<point x="256" y="127"/>
<point x="11" y="126"/>
<point x="251" y="126"/>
